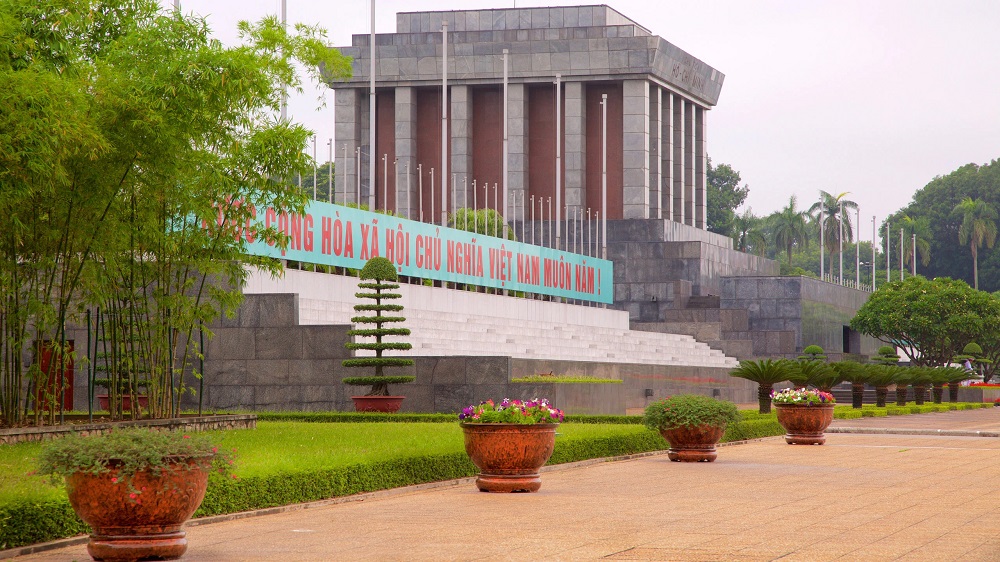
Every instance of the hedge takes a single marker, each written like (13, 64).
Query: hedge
(35, 522)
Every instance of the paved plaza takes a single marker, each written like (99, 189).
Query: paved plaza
(862, 496)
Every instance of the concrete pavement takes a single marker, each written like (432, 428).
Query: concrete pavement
(859, 497)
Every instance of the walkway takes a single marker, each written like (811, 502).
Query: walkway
(859, 497)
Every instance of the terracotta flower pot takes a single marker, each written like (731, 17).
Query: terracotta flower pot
(693, 444)
(804, 424)
(384, 404)
(509, 455)
(141, 520)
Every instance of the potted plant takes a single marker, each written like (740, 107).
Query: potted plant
(382, 273)
(135, 488)
(509, 442)
(692, 424)
(804, 414)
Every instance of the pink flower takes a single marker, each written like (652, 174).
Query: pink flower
(114, 480)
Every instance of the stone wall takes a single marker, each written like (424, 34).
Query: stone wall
(263, 360)
(817, 312)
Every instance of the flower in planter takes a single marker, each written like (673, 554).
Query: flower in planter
(512, 411)
(802, 396)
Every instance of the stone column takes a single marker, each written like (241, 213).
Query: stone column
(689, 217)
(347, 134)
(460, 159)
(700, 170)
(635, 147)
(679, 154)
(667, 155)
(406, 149)
(655, 151)
(517, 133)
(575, 153)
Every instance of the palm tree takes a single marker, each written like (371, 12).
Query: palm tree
(922, 228)
(790, 228)
(978, 226)
(766, 373)
(750, 236)
(857, 375)
(830, 207)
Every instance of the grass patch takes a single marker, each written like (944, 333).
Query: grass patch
(566, 379)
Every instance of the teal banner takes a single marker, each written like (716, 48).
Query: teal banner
(328, 234)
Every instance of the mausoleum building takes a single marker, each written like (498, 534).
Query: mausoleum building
(658, 99)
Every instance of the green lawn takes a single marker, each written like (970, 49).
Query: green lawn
(293, 447)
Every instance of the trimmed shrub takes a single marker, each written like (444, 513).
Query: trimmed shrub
(753, 429)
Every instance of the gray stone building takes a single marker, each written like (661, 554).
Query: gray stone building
(658, 97)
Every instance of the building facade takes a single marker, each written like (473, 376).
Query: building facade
(657, 96)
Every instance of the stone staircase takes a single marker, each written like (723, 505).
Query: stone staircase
(724, 329)
(445, 333)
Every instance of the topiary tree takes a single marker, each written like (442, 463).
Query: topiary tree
(812, 353)
(383, 273)
(766, 373)
(886, 356)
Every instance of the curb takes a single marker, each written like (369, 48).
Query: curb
(897, 431)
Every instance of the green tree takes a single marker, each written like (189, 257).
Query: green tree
(750, 235)
(936, 202)
(929, 320)
(325, 172)
(724, 196)
(135, 148)
(829, 212)
(979, 226)
(382, 275)
(766, 373)
(921, 228)
(789, 228)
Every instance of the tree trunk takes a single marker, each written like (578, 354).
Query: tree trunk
(953, 392)
(919, 391)
(975, 266)
(857, 394)
(880, 394)
(901, 394)
(379, 389)
(764, 397)
(938, 392)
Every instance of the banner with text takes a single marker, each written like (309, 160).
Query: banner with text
(328, 234)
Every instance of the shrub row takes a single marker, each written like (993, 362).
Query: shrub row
(753, 429)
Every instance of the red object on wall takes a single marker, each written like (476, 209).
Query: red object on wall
(487, 145)
(48, 362)
(542, 147)
(615, 154)
(429, 152)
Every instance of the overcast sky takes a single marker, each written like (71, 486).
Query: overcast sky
(871, 97)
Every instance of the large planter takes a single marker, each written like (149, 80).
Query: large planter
(509, 455)
(803, 423)
(693, 444)
(104, 401)
(140, 520)
(384, 404)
